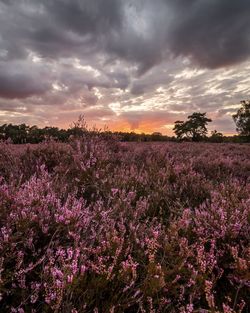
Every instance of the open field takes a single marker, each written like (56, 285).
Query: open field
(102, 226)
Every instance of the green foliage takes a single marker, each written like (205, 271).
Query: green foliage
(194, 128)
(242, 118)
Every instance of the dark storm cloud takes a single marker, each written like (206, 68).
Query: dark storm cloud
(19, 81)
(19, 87)
(75, 54)
(86, 16)
(212, 33)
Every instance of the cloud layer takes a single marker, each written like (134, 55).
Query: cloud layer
(135, 64)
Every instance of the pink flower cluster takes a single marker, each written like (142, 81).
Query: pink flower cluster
(102, 226)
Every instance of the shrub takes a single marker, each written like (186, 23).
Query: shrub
(102, 226)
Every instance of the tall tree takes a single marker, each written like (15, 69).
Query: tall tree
(195, 127)
(242, 118)
(180, 129)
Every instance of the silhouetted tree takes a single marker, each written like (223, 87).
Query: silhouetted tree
(194, 128)
(242, 118)
(180, 129)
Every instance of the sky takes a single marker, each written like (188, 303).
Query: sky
(131, 65)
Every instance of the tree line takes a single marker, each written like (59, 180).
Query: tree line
(21, 134)
(193, 129)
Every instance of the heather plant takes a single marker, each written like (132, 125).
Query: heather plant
(102, 226)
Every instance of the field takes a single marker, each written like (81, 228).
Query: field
(102, 226)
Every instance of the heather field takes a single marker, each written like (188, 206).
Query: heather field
(102, 226)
